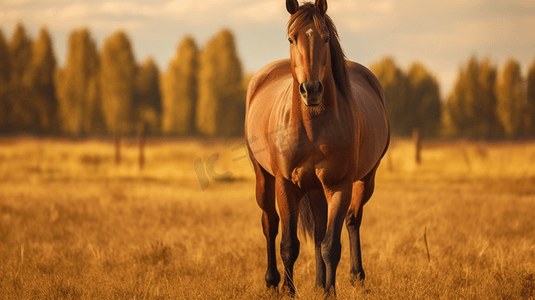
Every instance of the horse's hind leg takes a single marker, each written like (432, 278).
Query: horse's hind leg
(362, 191)
(265, 197)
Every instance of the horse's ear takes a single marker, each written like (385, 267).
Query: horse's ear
(321, 6)
(292, 6)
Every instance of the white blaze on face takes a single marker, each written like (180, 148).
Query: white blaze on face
(310, 34)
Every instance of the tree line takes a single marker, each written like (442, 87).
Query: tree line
(484, 102)
(107, 92)
(202, 92)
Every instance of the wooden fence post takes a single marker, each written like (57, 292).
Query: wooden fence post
(141, 145)
(417, 145)
(117, 149)
(389, 159)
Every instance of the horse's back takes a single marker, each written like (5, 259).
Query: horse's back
(357, 70)
(372, 116)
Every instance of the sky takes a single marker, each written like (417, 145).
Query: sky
(442, 35)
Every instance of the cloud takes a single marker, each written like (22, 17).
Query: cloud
(262, 11)
(525, 3)
(201, 9)
(9, 15)
(473, 34)
(14, 2)
(363, 16)
(125, 8)
(75, 11)
(130, 25)
(108, 15)
(31, 2)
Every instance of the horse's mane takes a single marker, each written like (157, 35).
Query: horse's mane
(308, 12)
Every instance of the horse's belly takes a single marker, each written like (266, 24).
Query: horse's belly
(260, 151)
(258, 144)
(257, 133)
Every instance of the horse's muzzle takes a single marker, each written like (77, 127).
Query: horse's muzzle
(311, 92)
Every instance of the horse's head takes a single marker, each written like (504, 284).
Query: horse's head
(309, 48)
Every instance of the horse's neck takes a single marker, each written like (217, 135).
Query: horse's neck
(313, 123)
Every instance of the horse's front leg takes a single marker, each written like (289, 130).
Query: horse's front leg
(288, 199)
(318, 205)
(338, 200)
(265, 197)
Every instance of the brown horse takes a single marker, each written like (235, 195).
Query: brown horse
(316, 128)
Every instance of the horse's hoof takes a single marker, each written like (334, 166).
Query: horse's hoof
(289, 291)
(272, 280)
(357, 278)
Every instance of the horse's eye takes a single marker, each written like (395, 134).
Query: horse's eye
(326, 39)
(290, 40)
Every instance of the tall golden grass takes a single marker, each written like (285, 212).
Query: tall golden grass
(74, 225)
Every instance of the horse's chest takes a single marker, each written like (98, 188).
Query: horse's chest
(309, 164)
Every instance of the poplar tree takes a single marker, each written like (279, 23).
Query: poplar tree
(471, 110)
(208, 112)
(220, 107)
(39, 78)
(530, 106)
(77, 86)
(396, 88)
(5, 66)
(179, 89)
(117, 82)
(147, 99)
(488, 123)
(471, 107)
(510, 106)
(233, 95)
(5, 76)
(459, 110)
(20, 49)
(425, 99)
(23, 113)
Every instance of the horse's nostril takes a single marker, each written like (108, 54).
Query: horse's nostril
(320, 88)
(302, 89)
(311, 88)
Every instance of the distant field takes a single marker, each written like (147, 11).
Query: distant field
(74, 225)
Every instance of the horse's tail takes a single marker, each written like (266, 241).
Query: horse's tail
(306, 217)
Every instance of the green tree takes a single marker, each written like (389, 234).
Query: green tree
(397, 90)
(77, 86)
(5, 76)
(425, 99)
(147, 105)
(179, 89)
(117, 82)
(220, 108)
(510, 106)
(530, 111)
(39, 78)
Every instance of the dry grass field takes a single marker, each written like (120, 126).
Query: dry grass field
(75, 226)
